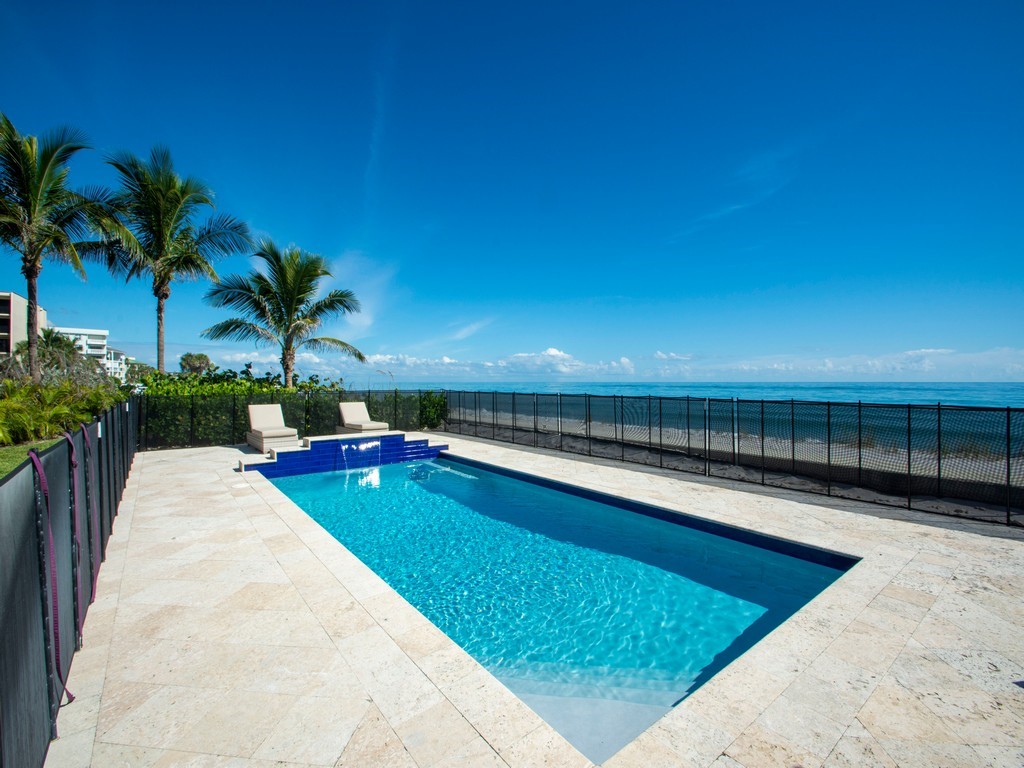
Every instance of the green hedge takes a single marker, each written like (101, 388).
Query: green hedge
(219, 418)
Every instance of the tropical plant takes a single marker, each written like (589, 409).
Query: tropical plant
(42, 218)
(160, 211)
(279, 306)
(196, 362)
(137, 371)
(59, 361)
(36, 412)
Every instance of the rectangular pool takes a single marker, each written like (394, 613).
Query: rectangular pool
(600, 613)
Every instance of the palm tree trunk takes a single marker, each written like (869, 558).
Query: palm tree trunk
(288, 364)
(31, 273)
(162, 291)
(160, 299)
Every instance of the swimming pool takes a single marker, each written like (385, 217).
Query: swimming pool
(601, 617)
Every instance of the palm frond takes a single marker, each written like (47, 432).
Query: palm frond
(329, 344)
(237, 329)
(280, 296)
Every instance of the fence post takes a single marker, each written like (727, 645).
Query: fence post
(689, 450)
(938, 450)
(558, 410)
(762, 442)
(494, 415)
(536, 437)
(622, 419)
(192, 422)
(1008, 447)
(590, 451)
(734, 437)
(707, 437)
(395, 422)
(909, 447)
(661, 432)
(828, 450)
(53, 703)
(650, 427)
(860, 447)
(792, 435)
(305, 417)
(513, 418)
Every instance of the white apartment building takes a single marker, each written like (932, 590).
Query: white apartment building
(14, 319)
(116, 364)
(92, 342)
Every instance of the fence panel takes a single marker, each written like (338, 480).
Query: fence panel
(549, 428)
(884, 440)
(810, 451)
(721, 427)
(573, 423)
(24, 698)
(974, 454)
(1015, 468)
(50, 555)
(604, 427)
(845, 445)
(322, 409)
(925, 460)
(911, 453)
(636, 428)
(504, 417)
(212, 420)
(524, 418)
(749, 442)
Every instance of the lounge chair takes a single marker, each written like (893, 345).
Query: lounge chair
(355, 418)
(268, 430)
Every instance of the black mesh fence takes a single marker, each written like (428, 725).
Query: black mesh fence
(188, 421)
(955, 460)
(58, 511)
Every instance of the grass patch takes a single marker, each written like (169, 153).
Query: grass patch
(12, 455)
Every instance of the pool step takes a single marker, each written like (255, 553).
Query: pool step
(332, 453)
(641, 686)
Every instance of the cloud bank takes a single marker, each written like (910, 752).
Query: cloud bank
(554, 364)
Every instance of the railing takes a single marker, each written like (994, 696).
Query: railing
(954, 460)
(56, 514)
(187, 421)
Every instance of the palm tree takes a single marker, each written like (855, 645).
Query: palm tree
(160, 211)
(41, 217)
(279, 305)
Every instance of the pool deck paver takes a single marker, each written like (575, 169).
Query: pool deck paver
(231, 630)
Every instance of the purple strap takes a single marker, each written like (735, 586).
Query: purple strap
(55, 624)
(76, 553)
(94, 521)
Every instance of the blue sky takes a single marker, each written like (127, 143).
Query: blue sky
(716, 191)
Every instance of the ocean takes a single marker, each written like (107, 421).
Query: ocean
(988, 394)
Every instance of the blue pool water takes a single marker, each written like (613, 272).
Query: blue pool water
(600, 618)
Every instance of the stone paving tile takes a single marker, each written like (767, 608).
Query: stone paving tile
(231, 630)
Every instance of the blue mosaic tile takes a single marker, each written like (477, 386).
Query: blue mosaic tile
(331, 455)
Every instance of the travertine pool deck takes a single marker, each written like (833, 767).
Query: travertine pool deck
(231, 630)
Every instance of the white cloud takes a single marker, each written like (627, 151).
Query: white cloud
(553, 364)
(255, 356)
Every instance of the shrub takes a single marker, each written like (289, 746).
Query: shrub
(31, 412)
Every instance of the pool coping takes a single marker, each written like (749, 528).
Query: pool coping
(841, 680)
